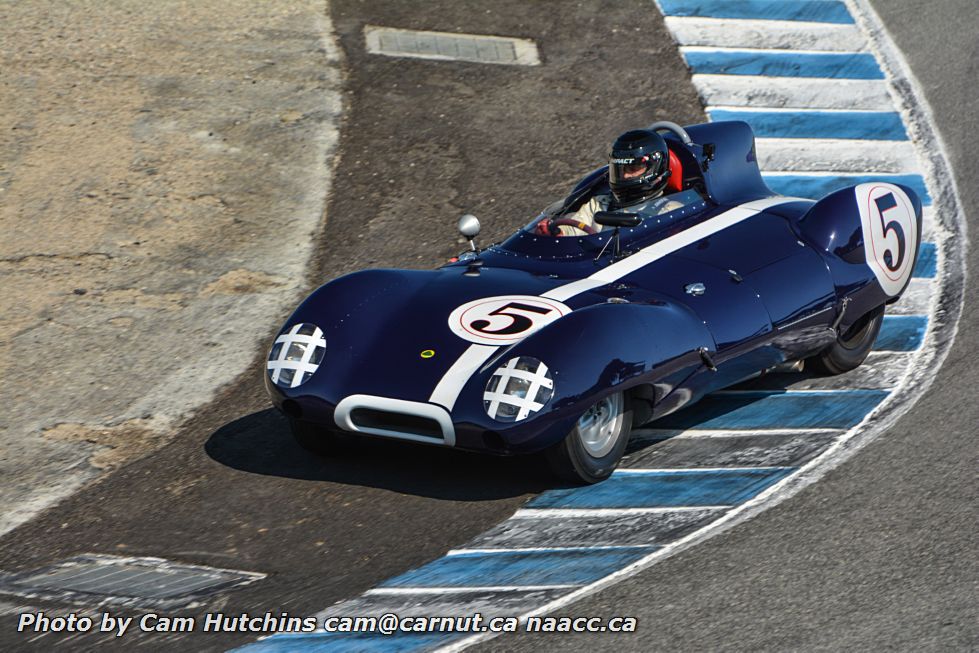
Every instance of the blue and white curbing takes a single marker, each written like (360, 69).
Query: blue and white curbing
(832, 102)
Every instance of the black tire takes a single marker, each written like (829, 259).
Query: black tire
(851, 348)
(318, 439)
(574, 461)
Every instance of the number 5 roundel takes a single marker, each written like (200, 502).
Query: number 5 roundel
(505, 319)
(890, 234)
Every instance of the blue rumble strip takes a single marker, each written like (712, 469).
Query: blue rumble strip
(521, 568)
(863, 125)
(901, 333)
(821, 11)
(927, 265)
(831, 65)
(746, 411)
(322, 642)
(655, 489)
(814, 186)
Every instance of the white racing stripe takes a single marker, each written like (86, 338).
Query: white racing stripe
(789, 34)
(664, 247)
(836, 155)
(449, 387)
(790, 92)
(451, 384)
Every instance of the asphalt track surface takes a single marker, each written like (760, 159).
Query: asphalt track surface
(423, 143)
(879, 554)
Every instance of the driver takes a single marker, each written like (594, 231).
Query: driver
(638, 169)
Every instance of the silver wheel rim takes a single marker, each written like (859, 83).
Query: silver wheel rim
(600, 426)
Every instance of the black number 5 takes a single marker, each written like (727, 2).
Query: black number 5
(885, 203)
(519, 324)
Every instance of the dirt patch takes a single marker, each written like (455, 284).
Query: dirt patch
(115, 444)
(135, 297)
(239, 282)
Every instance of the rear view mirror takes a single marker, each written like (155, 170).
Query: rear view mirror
(469, 226)
(616, 219)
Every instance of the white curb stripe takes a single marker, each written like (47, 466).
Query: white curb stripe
(817, 173)
(693, 31)
(929, 225)
(714, 49)
(792, 92)
(839, 155)
(779, 392)
(790, 111)
(546, 549)
(689, 434)
(562, 513)
(916, 300)
(630, 471)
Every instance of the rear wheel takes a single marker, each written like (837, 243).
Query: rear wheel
(851, 348)
(318, 439)
(593, 449)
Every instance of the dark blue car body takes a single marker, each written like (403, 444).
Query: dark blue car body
(733, 284)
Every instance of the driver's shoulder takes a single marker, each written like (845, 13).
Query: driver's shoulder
(663, 204)
(601, 200)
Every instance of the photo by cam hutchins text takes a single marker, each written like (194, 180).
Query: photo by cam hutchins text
(38, 622)
(388, 624)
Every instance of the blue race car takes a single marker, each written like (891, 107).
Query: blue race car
(564, 344)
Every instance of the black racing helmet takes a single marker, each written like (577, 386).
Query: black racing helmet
(638, 166)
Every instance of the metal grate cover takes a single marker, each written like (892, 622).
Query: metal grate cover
(447, 46)
(133, 582)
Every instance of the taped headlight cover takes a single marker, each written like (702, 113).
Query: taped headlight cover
(518, 389)
(296, 355)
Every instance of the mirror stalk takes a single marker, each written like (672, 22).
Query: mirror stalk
(615, 249)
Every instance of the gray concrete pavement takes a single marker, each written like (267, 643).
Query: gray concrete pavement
(163, 170)
(880, 554)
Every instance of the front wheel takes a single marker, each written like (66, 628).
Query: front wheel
(593, 449)
(851, 348)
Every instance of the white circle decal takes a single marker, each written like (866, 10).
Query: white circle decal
(890, 233)
(504, 320)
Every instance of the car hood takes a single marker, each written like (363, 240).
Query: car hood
(387, 331)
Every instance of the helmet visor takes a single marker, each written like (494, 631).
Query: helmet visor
(627, 169)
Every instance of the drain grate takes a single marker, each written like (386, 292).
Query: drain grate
(133, 582)
(447, 46)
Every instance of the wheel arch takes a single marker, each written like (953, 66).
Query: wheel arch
(641, 348)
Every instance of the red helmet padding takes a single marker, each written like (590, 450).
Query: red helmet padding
(675, 183)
